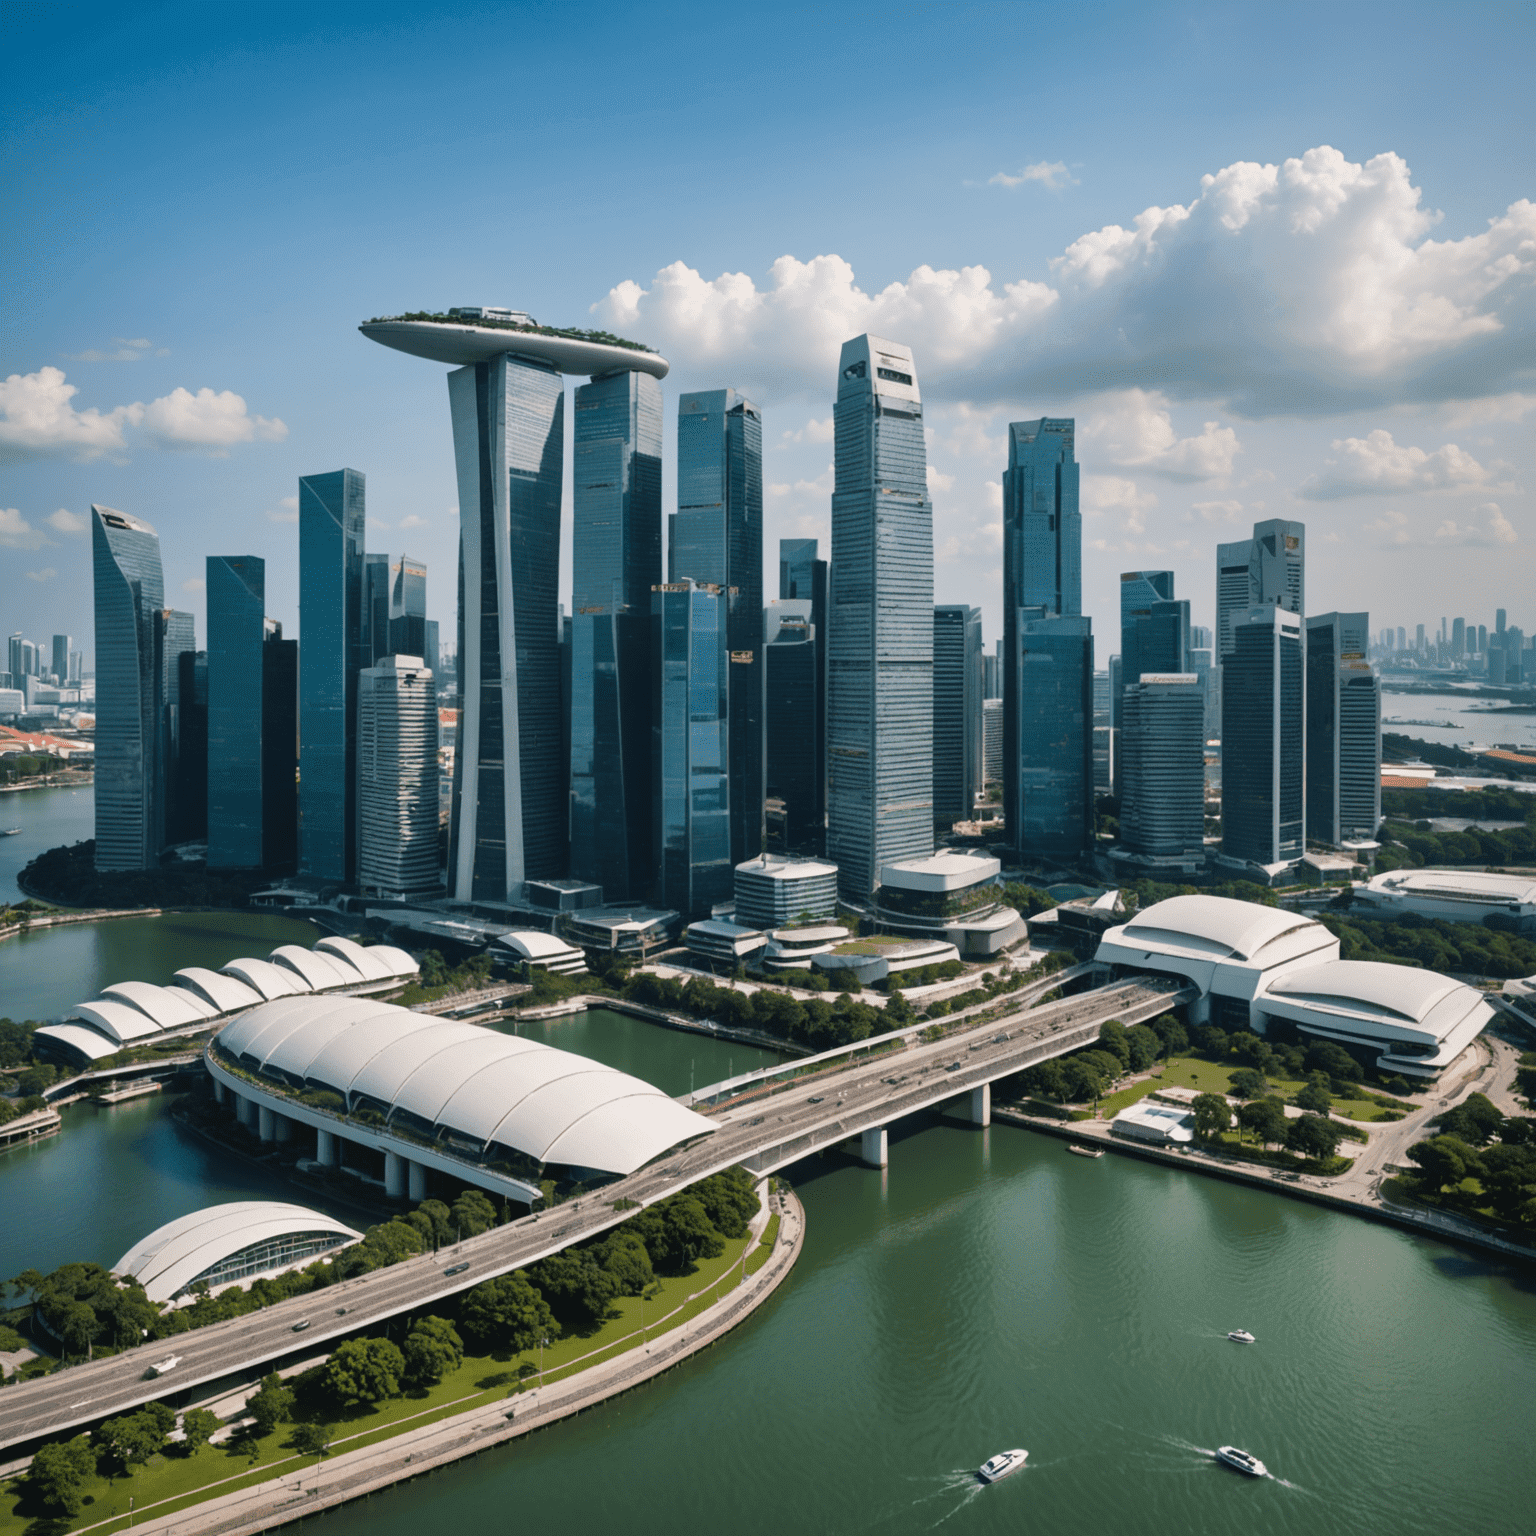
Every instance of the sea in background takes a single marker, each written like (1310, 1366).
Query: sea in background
(1456, 718)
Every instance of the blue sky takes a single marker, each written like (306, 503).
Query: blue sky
(204, 200)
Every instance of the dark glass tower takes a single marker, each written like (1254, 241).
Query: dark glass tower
(192, 756)
(957, 695)
(803, 577)
(509, 821)
(236, 591)
(407, 608)
(376, 596)
(1263, 739)
(1271, 567)
(880, 630)
(1050, 813)
(616, 560)
(175, 637)
(1343, 730)
(279, 752)
(716, 538)
(792, 672)
(1154, 631)
(1162, 757)
(331, 627)
(130, 591)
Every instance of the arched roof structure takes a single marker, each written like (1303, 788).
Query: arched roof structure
(320, 971)
(1214, 925)
(169, 1007)
(117, 1021)
(269, 980)
(464, 1081)
(365, 961)
(226, 993)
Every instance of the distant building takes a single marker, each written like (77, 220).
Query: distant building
(957, 724)
(408, 609)
(375, 634)
(792, 657)
(772, 892)
(397, 779)
(1268, 568)
(803, 577)
(1343, 731)
(236, 596)
(1162, 773)
(1154, 631)
(62, 644)
(175, 636)
(1042, 526)
(279, 752)
(130, 590)
(992, 740)
(191, 777)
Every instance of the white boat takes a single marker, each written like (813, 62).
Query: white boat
(1085, 1151)
(1242, 1336)
(1001, 1465)
(1241, 1461)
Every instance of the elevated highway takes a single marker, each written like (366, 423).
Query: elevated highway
(860, 1100)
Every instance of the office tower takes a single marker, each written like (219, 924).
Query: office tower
(374, 643)
(1201, 638)
(1418, 643)
(792, 681)
(129, 591)
(880, 645)
(1515, 658)
(1042, 527)
(1402, 638)
(429, 652)
(1263, 738)
(1268, 568)
(76, 668)
(331, 630)
(236, 595)
(803, 576)
(192, 747)
(1482, 639)
(1101, 709)
(991, 676)
(175, 637)
(24, 658)
(279, 751)
(1343, 731)
(992, 740)
(1162, 767)
(957, 694)
(1106, 759)
(716, 538)
(616, 560)
(1458, 638)
(1202, 663)
(691, 742)
(1497, 663)
(1498, 620)
(1048, 794)
(1154, 629)
(61, 649)
(407, 608)
(397, 788)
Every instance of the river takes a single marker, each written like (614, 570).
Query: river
(1456, 718)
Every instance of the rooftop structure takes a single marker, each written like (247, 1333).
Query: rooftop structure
(625, 930)
(540, 951)
(793, 949)
(463, 342)
(870, 960)
(771, 892)
(716, 939)
(226, 1244)
(1156, 1123)
(1457, 895)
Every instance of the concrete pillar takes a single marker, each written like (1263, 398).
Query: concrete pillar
(218, 1091)
(418, 1182)
(326, 1150)
(244, 1109)
(394, 1176)
(981, 1105)
(1200, 1010)
(266, 1126)
(873, 1149)
(283, 1127)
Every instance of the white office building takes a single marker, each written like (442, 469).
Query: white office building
(397, 780)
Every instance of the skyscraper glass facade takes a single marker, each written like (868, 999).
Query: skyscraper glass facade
(792, 655)
(376, 595)
(880, 620)
(1051, 815)
(236, 593)
(1154, 629)
(332, 513)
(279, 752)
(175, 635)
(1343, 730)
(1268, 568)
(509, 819)
(957, 729)
(1162, 766)
(129, 591)
(803, 577)
(1263, 739)
(716, 537)
(616, 560)
(408, 607)
(690, 772)
(397, 779)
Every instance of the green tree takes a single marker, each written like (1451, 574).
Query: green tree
(508, 1313)
(1082, 1081)
(1312, 1136)
(623, 1254)
(311, 1439)
(132, 1438)
(1341, 1067)
(1112, 1037)
(1315, 1096)
(197, 1426)
(579, 1290)
(1476, 1120)
(1172, 1034)
(270, 1405)
(1145, 1047)
(363, 1371)
(473, 1213)
(729, 1200)
(59, 1471)
(1248, 1083)
(1265, 1118)
(1213, 1116)
(431, 1350)
(1444, 1159)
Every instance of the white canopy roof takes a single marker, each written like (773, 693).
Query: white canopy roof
(117, 1021)
(320, 970)
(364, 960)
(488, 1087)
(78, 1037)
(1216, 925)
(226, 993)
(530, 944)
(268, 979)
(173, 1256)
(169, 1007)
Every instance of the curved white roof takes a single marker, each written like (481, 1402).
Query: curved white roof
(88, 1042)
(399, 963)
(319, 970)
(268, 979)
(117, 1021)
(1404, 991)
(226, 993)
(1458, 884)
(533, 945)
(553, 1105)
(1217, 925)
(365, 961)
(464, 342)
(173, 1256)
(169, 1007)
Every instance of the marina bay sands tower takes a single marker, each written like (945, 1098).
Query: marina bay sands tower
(507, 398)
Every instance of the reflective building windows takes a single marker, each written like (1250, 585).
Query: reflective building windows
(236, 591)
(1263, 737)
(1051, 814)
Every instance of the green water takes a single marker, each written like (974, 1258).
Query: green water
(47, 818)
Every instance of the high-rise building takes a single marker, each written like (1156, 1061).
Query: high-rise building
(1482, 639)
(796, 810)
(992, 739)
(616, 560)
(957, 695)
(1263, 739)
(691, 740)
(1498, 620)
(1201, 638)
(1458, 639)
(236, 596)
(1162, 768)
(880, 644)
(397, 790)
(1402, 638)
(332, 513)
(804, 577)
(1343, 730)
(991, 676)
(192, 745)
(175, 636)
(1042, 527)
(716, 538)
(62, 645)
(1268, 568)
(407, 607)
(76, 668)
(130, 590)
(374, 644)
(430, 652)
(279, 751)
(1202, 663)
(509, 809)
(1154, 629)
(1048, 793)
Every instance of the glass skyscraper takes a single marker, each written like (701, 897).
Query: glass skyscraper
(957, 694)
(1049, 804)
(716, 538)
(1263, 739)
(616, 560)
(279, 752)
(691, 739)
(880, 630)
(1162, 767)
(175, 636)
(236, 594)
(1343, 730)
(1268, 568)
(376, 597)
(397, 779)
(129, 592)
(803, 577)
(331, 628)
(791, 657)
(1154, 630)
(408, 608)
(509, 822)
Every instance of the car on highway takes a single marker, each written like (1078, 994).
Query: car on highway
(163, 1366)
(815, 1098)
(457, 1269)
(301, 1325)
(954, 1066)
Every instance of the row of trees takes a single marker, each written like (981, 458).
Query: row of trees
(1472, 948)
(69, 876)
(1480, 1160)
(1088, 1074)
(1310, 1136)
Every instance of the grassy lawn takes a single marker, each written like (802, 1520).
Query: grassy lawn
(1210, 1077)
(167, 1484)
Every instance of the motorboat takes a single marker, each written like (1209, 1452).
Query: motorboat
(1001, 1465)
(1085, 1151)
(10, 831)
(1242, 1336)
(1241, 1461)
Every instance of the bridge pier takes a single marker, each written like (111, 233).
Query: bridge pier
(873, 1148)
(1200, 1011)
(418, 1182)
(326, 1150)
(266, 1123)
(245, 1109)
(282, 1126)
(218, 1092)
(981, 1105)
(394, 1176)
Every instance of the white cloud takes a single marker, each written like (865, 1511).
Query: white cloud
(1304, 288)
(1216, 511)
(412, 521)
(938, 482)
(1495, 531)
(1117, 498)
(820, 487)
(193, 584)
(812, 432)
(1378, 465)
(46, 574)
(378, 525)
(208, 420)
(129, 350)
(286, 511)
(1133, 428)
(65, 521)
(1049, 173)
(17, 533)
